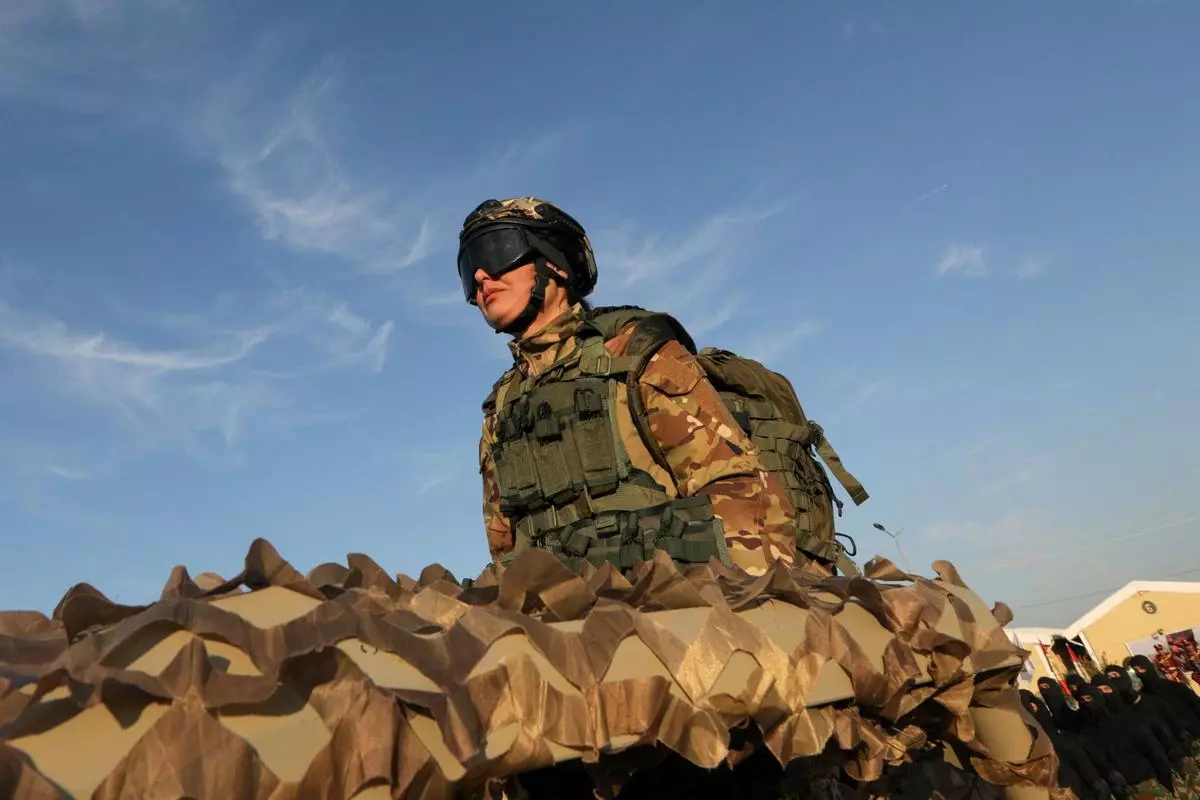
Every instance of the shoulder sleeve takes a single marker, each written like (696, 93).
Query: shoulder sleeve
(708, 453)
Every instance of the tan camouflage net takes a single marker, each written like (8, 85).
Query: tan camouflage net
(347, 683)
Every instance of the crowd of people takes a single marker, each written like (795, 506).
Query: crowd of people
(1128, 733)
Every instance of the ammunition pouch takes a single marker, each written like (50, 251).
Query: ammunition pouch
(557, 443)
(685, 529)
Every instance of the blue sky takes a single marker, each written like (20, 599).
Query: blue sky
(228, 305)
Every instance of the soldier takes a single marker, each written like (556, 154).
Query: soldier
(603, 447)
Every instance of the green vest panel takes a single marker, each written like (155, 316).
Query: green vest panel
(566, 481)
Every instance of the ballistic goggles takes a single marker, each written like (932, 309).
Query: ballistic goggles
(496, 250)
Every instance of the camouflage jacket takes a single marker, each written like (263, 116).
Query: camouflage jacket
(707, 450)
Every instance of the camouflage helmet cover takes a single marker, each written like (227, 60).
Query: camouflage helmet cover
(546, 221)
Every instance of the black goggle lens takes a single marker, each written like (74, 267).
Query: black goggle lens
(495, 252)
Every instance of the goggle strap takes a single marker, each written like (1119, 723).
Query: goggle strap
(555, 256)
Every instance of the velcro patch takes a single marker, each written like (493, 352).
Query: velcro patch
(672, 376)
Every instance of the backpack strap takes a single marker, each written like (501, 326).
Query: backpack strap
(651, 332)
(832, 460)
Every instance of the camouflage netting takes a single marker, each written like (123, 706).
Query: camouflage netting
(347, 683)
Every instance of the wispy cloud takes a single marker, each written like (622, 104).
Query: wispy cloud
(969, 261)
(446, 299)
(856, 27)
(865, 392)
(1022, 472)
(433, 468)
(1093, 543)
(996, 464)
(66, 474)
(279, 141)
(983, 448)
(964, 260)
(705, 301)
(633, 258)
(280, 159)
(692, 272)
(336, 336)
(226, 376)
(923, 197)
(67, 53)
(1011, 532)
(771, 348)
(281, 145)
(1031, 267)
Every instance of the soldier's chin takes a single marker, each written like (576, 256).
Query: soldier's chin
(500, 314)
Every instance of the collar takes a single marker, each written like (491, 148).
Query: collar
(534, 353)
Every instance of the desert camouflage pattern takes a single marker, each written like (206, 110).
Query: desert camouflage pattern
(350, 682)
(707, 450)
(510, 208)
(524, 208)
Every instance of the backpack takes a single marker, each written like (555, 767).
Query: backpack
(765, 405)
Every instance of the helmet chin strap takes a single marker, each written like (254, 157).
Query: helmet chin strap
(542, 277)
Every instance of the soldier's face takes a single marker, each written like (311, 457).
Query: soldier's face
(502, 299)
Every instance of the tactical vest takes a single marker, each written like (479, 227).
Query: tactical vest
(766, 407)
(565, 479)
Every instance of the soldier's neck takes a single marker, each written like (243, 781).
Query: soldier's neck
(548, 339)
(551, 312)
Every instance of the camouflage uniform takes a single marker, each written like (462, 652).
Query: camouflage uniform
(706, 450)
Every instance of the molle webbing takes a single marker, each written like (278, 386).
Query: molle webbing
(555, 441)
(566, 481)
(780, 442)
(686, 529)
(769, 397)
(558, 455)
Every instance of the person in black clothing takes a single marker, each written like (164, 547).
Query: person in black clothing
(1139, 754)
(1074, 684)
(1075, 770)
(1072, 726)
(1147, 712)
(1178, 703)
(1096, 730)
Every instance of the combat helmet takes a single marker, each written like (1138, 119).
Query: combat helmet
(501, 235)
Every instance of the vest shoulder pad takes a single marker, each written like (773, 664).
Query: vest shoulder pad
(653, 328)
(656, 329)
(611, 320)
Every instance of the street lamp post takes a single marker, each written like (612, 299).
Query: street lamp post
(896, 538)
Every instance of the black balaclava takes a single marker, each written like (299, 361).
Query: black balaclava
(1065, 717)
(1114, 704)
(1147, 670)
(1120, 680)
(1040, 712)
